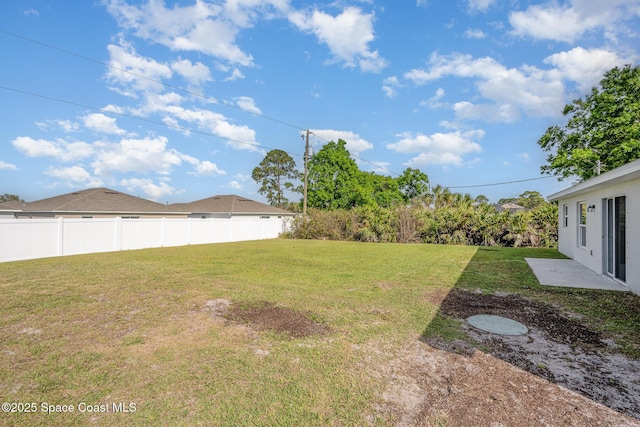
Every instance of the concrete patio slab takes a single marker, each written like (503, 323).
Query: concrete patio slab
(571, 274)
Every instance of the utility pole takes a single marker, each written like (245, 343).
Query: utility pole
(306, 172)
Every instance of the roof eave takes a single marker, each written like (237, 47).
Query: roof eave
(625, 173)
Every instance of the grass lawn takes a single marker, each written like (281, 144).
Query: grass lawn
(103, 331)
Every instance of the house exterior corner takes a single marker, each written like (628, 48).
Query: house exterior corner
(599, 224)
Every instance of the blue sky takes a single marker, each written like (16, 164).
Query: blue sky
(179, 100)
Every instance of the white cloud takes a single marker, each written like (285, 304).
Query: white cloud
(439, 148)
(434, 101)
(390, 86)
(196, 74)
(7, 166)
(100, 123)
(235, 185)
(247, 103)
(586, 67)
(133, 72)
(239, 137)
(510, 91)
(207, 168)
(151, 190)
(137, 155)
(347, 35)
(570, 21)
(480, 5)
(60, 149)
(355, 144)
(474, 34)
(113, 109)
(68, 125)
(74, 175)
(209, 28)
(236, 74)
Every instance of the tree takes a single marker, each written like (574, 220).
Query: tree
(481, 200)
(333, 178)
(413, 184)
(603, 129)
(274, 175)
(9, 197)
(531, 200)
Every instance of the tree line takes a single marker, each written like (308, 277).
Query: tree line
(602, 132)
(346, 203)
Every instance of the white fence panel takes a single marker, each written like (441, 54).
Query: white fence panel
(35, 238)
(83, 236)
(223, 229)
(141, 233)
(40, 238)
(202, 231)
(177, 232)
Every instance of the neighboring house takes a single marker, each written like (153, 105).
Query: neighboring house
(91, 203)
(107, 203)
(227, 206)
(8, 208)
(511, 207)
(599, 224)
(104, 220)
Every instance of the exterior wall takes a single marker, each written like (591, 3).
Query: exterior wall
(41, 238)
(592, 255)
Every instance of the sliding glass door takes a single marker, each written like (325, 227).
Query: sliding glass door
(615, 212)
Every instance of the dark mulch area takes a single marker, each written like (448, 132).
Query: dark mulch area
(558, 347)
(543, 317)
(268, 316)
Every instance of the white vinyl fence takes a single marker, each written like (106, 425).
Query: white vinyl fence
(22, 239)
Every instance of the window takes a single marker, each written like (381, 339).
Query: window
(582, 224)
(565, 215)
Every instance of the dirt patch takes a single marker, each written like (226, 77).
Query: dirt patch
(558, 349)
(428, 386)
(268, 316)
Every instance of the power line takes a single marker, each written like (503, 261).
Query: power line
(504, 183)
(362, 159)
(102, 110)
(209, 99)
(167, 85)
(106, 64)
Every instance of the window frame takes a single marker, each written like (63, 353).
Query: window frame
(582, 224)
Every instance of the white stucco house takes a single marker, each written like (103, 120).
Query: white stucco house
(599, 224)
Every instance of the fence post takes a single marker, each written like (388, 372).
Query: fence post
(117, 238)
(60, 236)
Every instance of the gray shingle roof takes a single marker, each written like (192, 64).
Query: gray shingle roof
(228, 204)
(95, 200)
(12, 205)
(106, 200)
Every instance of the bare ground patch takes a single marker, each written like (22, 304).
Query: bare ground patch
(560, 373)
(268, 316)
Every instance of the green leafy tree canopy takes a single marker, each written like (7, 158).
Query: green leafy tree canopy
(602, 131)
(336, 182)
(9, 197)
(277, 172)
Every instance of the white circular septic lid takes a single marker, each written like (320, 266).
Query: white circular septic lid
(497, 324)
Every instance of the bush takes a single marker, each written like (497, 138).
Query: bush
(460, 225)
